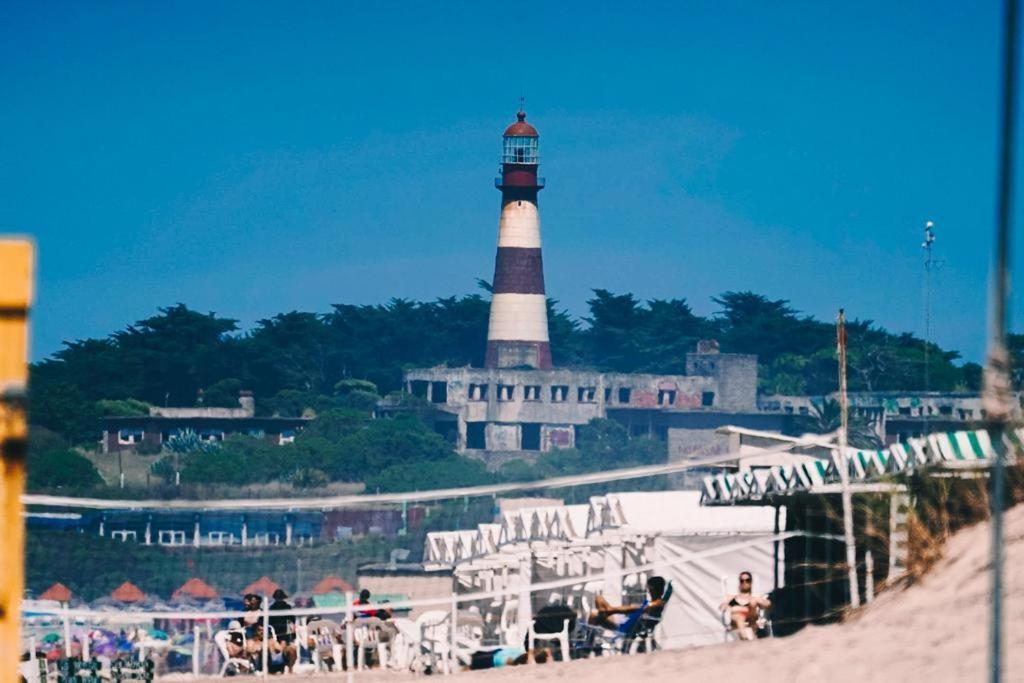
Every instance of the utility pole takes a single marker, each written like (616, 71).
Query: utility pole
(16, 266)
(996, 395)
(844, 467)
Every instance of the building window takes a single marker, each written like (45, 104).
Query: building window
(707, 399)
(531, 392)
(220, 538)
(802, 410)
(506, 392)
(945, 410)
(559, 393)
(439, 392)
(124, 535)
(477, 392)
(129, 437)
(530, 440)
(607, 394)
(287, 436)
(211, 435)
(476, 435)
(666, 397)
(418, 387)
(905, 411)
(586, 394)
(171, 537)
(624, 394)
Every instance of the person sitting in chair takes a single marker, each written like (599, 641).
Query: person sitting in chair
(744, 609)
(281, 656)
(615, 617)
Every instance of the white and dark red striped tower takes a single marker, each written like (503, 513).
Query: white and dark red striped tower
(517, 335)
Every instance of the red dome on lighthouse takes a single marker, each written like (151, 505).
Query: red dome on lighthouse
(521, 128)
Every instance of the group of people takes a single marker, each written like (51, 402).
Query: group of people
(745, 611)
(246, 637)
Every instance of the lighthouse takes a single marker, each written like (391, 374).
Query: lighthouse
(517, 334)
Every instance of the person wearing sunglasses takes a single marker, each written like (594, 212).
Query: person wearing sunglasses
(744, 609)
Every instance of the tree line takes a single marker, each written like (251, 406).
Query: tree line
(300, 360)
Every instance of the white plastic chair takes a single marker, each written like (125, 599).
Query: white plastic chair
(405, 646)
(435, 638)
(220, 638)
(561, 637)
(366, 636)
(509, 628)
(326, 634)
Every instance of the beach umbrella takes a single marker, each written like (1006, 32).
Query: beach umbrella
(51, 638)
(158, 634)
(58, 592)
(261, 586)
(331, 584)
(128, 592)
(195, 588)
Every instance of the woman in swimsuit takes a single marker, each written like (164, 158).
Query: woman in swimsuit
(744, 609)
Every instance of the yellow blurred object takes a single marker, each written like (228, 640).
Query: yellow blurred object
(16, 268)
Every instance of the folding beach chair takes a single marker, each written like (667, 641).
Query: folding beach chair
(636, 634)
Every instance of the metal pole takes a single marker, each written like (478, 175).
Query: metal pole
(844, 470)
(195, 651)
(16, 266)
(349, 625)
(266, 636)
(996, 397)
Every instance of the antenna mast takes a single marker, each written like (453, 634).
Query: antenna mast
(929, 263)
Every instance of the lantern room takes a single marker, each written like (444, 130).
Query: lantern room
(520, 144)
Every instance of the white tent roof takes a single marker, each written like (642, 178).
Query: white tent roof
(677, 512)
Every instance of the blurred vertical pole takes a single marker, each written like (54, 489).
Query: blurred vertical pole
(350, 618)
(996, 396)
(16, 265)
(844, 469)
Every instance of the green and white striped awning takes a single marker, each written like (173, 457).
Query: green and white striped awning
(950, 450)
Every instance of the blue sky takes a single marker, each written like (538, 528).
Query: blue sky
(254, 158)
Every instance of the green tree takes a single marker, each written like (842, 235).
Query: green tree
(61, 469)
(125, 407)
(825, 418)
(223, 393)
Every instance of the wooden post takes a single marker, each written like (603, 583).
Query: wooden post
(16, 267)
(844, 470)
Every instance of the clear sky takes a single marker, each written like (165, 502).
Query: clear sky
(255, 158)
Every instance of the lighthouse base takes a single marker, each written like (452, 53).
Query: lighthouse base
(518, 354)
